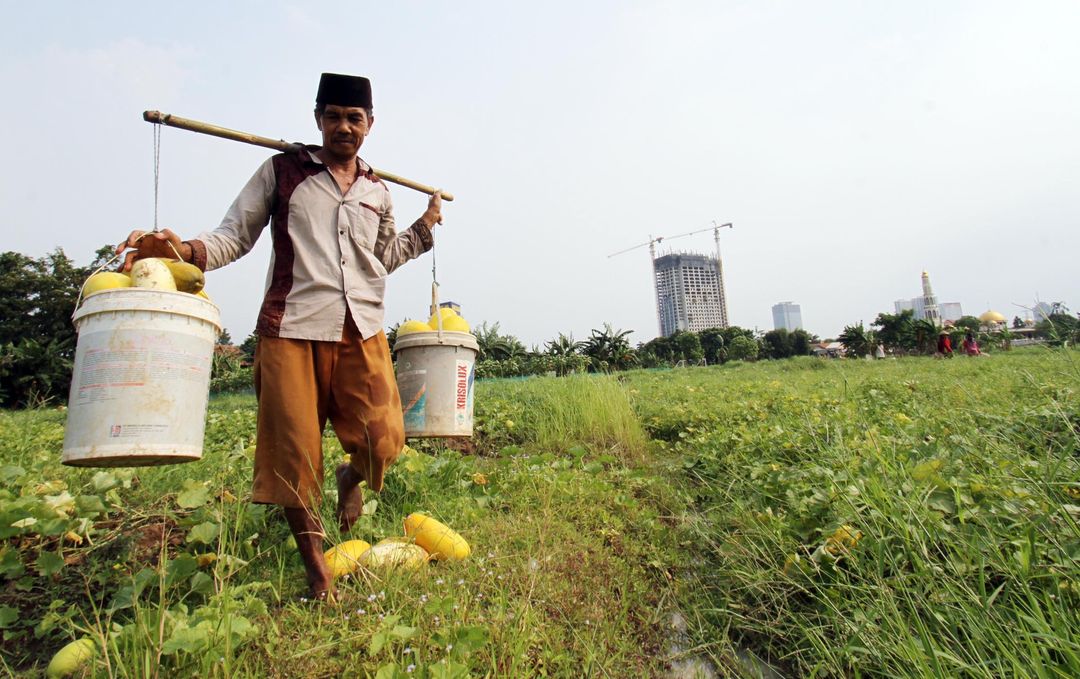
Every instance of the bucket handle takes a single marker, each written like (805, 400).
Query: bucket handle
(435, 309)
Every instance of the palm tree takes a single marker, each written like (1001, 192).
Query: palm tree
(926, 333)
(563, 345)
(857, 339)
(494, 346)
(609, 349)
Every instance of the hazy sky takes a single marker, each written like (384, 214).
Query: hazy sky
(852, 144)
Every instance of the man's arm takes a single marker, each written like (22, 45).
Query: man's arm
(394, 249)
(242, 225)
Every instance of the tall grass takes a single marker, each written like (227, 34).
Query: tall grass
(957, 482)
(557, 413)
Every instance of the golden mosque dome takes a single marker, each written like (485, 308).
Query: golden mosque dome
(991, 316)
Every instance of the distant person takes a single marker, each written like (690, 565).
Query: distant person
(970, 346)
(944, 346)
(880, 351)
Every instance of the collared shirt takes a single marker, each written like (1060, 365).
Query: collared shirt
(332, 252)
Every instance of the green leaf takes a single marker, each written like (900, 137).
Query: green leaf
(204, 533)
(194, 495)
(470, 638)
(188, 639)
(387, 671)
(104, 481)
(8, 616)
(9, 473)
(143, 579)
(201, 583)
(49, 563)
(181, 568)
(89, 506)
(378, 640)
(11, 565)
(403, 632)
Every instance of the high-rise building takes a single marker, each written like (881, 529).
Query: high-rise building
(1042, 311)
(787, 315)
(689, 293)
(951, 311)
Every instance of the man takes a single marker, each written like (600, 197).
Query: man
(322, 352)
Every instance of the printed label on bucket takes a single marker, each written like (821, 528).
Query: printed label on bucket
(463, 383)
(412, 385)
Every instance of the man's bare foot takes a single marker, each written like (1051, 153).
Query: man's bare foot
(308, 533)
(350, 498)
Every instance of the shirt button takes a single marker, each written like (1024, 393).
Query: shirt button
(343, 262)
(341, 232)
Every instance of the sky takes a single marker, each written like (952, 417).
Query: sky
(851, 144)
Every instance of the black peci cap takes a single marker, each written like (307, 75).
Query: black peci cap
(344, 90)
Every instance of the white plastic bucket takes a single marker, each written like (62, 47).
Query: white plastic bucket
(435, 377)
(141, 380)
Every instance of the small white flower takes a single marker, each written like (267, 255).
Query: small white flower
(423, 598)
(439, 581)
(435, 620)
(461, 582)
(372, 597)
(408, 650)
(359, 611)
(303, 599)
(221, 659)
(491, 555)
(381, 616)
(410, 669)
(449, 647)
(382, 595)
(500, 576)
(455, 607)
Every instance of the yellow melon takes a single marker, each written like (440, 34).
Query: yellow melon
(409, 327)
(345, 558)
(105, 280)
(152, 273)
(437, 538)
(455, 324)
(445, 312)
(71, 658)
(395, 553)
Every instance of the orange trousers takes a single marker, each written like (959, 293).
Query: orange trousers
(301, 383)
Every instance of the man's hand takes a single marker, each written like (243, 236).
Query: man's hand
(153, 244)
(433, 214)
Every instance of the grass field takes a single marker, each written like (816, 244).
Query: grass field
(792, 518)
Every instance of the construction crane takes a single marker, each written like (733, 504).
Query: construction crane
(651, 243)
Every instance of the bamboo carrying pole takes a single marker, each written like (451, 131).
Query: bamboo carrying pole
(276, 144)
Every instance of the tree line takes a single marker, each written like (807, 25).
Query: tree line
(37, 338)
(902, 333)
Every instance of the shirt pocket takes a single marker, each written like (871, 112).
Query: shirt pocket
(364, 226)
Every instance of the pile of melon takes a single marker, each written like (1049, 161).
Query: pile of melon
(425, 539)
(451, 322)
(154, 273)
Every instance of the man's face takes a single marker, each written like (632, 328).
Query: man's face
(343, 129)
